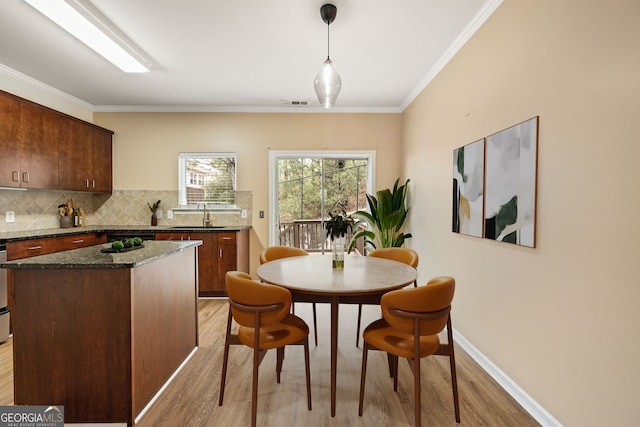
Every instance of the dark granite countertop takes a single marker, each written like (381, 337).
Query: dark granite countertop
(14, 236)
(92, 257)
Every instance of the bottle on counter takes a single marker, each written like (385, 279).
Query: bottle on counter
(74, 217)
(81, 217)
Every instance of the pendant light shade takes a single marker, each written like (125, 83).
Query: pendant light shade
(328, 82)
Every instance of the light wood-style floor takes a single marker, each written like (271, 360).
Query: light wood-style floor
(192, 398)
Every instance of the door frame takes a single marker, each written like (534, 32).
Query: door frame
(275, 155)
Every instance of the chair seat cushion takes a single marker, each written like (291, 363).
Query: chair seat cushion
(383, 337)
(290, 330)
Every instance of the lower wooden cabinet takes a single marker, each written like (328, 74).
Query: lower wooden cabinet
(48, 245)
(220, 252)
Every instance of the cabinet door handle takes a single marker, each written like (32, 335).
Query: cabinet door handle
(14, 176)
(226, 238)
(93, 183)
(25, 176)
(86, 182)
(220, 252)
(75, 242)
(34, 248)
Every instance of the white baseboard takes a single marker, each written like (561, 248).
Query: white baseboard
(527, 402)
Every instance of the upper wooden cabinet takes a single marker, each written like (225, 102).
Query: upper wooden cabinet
(85, 158)
(43, 148)
(28, 145)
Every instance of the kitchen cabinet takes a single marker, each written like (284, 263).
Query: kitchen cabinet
(100, 335)
(28, 145)
(207, 265)
(48, 245)
(220, 252)
(44, 148)
(85, 158)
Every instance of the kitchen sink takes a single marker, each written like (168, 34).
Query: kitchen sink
(192, 227)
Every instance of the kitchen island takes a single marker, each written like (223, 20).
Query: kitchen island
(101, 333)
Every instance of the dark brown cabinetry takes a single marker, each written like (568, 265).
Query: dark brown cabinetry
(85, 158)
(48, 245)
(28, 145)
(43, 148)
(220, 252)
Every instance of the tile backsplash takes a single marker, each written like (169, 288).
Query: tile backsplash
(38, 209)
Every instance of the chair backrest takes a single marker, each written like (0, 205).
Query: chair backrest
(404, 255)
(242, 289)
(434, 298)
(276, 252)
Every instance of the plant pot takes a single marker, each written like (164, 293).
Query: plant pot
(154, 219)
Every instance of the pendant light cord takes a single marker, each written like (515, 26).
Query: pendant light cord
(328, 44)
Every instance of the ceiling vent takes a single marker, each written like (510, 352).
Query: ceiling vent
(295, 103)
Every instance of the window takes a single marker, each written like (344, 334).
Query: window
(305, 185)
(207, 178)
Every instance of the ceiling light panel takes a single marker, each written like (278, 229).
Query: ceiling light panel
(95, 31)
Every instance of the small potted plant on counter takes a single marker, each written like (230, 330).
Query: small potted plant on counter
(154, 209)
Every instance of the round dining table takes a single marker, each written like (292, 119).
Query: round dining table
(363, 280)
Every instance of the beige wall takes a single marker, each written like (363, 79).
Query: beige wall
(146, 147)
(562, 319)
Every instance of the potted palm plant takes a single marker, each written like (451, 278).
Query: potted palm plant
(382, 225)
(337, 227)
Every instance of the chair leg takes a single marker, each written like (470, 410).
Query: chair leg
(395, 373)
(416, 371)
(254, 388)
(390, 363)
(454, 377)
(307, 371)
(416, 381)
(315, 324)
(225, 359)
(454, 386)
(358, 325)
(279, 359)
(256, 364)
(363, 376)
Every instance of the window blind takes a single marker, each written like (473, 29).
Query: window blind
(207, 178)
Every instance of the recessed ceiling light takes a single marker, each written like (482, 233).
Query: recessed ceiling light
(87, 25)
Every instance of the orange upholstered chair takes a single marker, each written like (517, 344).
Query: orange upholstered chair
(403, 255)
(412, 319)
(276, 252)
(262, 313)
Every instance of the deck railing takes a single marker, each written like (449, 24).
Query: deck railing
(310, 236)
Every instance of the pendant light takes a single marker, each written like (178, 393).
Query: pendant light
(328, 82)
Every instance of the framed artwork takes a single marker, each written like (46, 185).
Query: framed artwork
(510, 184)
(468, 189)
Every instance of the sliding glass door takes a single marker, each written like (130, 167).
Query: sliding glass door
(305, 186)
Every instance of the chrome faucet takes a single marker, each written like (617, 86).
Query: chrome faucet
(205, 215)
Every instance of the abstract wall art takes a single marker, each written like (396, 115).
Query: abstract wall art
(468, 189)
(510, 184)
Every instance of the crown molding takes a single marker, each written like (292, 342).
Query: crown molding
(477, 21)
